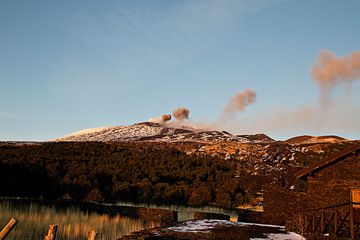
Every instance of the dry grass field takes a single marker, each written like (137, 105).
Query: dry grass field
(73, 223)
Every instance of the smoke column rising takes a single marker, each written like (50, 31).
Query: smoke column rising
(166, 117)
(235, 104)
(162, 119)
(240, 101)
(327, 116)
(328, 70)
(181, 114)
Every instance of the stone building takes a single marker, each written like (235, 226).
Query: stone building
(323, 184)
(329, 182)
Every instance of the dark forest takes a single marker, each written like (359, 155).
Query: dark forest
(111, 172)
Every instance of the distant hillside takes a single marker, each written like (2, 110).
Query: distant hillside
(305, 139)
(257, 137)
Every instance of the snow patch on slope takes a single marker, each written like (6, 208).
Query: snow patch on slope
(86, 131)
(281, 236)
(151, 132)
(120, 133)
(205, 225)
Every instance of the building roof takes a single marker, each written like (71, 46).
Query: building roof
(327, 162)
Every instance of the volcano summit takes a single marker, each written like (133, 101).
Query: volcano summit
(156, 132)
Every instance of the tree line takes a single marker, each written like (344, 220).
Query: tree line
(111, 172)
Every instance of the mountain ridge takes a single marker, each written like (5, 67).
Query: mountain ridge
(175, 132)
(148, 131)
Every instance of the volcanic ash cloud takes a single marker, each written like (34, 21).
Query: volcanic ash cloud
(181, 114)
(227, 119)
(329, 70)
(326, 116)
(240, 101)
(162, 119)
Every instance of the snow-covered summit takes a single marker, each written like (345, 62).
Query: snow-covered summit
(148, 131)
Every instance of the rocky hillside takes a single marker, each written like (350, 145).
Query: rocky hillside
(276, 159)
(255, 155)
(225, 173)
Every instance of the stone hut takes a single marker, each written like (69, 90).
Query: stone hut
(323, 184)
(329, 182)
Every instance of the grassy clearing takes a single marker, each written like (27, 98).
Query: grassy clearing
(73, 223)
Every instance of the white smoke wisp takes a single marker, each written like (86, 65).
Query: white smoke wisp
(162, 119)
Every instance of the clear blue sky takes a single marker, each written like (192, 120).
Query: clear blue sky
(68, 65)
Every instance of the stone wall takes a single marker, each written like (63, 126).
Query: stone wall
(331, 185)
(159, 215)
(280, 204)
(326, 187)
(251, 216)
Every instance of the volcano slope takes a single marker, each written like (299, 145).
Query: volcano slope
(153, 163)
(253, 155)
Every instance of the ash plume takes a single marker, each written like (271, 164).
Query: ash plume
(227, 119)
(307, 119)
(329, 70)
(325, 116)
(166, 117)
(162, 119)
(181, 114)
(240, 101)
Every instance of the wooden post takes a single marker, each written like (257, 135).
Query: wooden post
(352, 229)
(92, 235)
(51, 233)
(11, 224)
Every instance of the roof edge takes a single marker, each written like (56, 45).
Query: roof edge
(319, 165)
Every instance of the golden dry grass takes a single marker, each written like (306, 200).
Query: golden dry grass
(73, 223)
